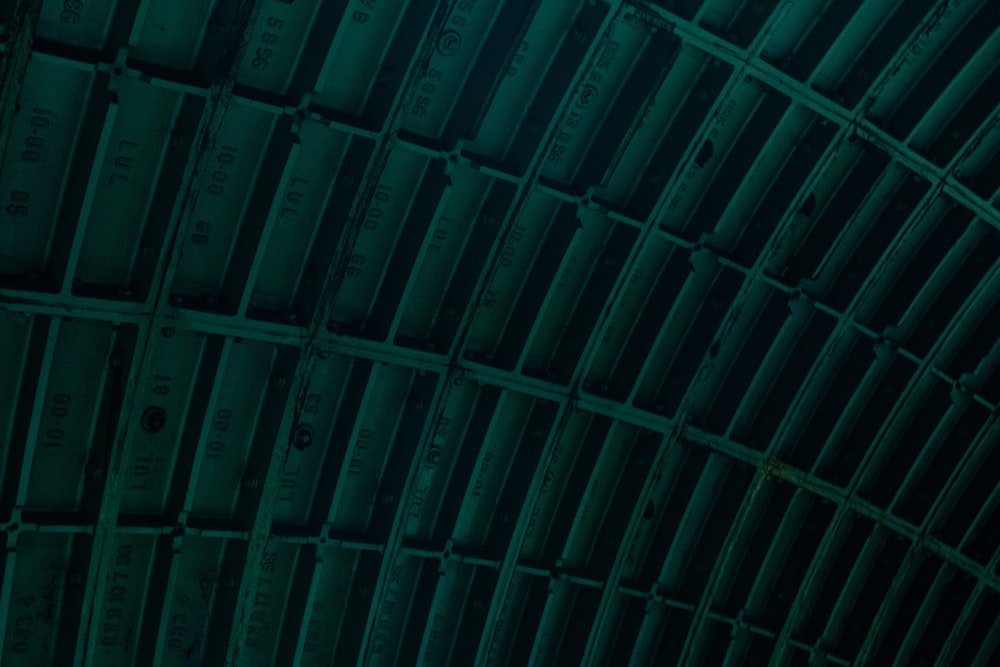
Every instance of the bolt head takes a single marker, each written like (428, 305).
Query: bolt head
(434, 455)
(302, 436)
(153, 419)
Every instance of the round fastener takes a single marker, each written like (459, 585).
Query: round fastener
(449, 43)
(302, 436)
(434, 455)
(153, 419)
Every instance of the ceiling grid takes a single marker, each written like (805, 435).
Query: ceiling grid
(496, 332)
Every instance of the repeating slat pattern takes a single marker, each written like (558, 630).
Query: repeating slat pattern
(487, 332)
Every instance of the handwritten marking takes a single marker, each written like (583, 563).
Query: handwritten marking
(221, 426)
(123, 162)
(263, 54)
(383, 625)
(261, 600)
(117, 595)
(484, 468)
(313, 628)
(589, 92)
(360, 447)
(55, 436)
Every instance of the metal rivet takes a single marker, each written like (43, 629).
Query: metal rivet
(302, 436)
(434, 455)
(153, 419)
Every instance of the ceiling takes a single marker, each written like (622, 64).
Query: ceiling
(482, 333)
